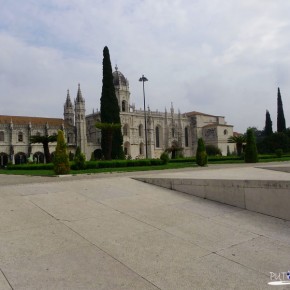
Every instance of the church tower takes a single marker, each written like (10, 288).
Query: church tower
(122, 90)
(80, 121)
(68, 112)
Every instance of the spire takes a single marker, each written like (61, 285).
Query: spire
(68, 102)
(79, 95)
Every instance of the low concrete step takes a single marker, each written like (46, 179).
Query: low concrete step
(270, 197)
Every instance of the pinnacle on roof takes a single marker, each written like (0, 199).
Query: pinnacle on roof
(79, 95)
(68, 102)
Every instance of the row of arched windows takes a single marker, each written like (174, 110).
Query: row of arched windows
(19, 136)
(126, 131)
(127, 148)
(158, 134)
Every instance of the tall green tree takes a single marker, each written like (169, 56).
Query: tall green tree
(251, 153)
(268, 130)
(201, 155)
(44, 140)
(281, 124)
(60, 160)
(110, 113)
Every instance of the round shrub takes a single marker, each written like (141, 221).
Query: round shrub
(164, 157)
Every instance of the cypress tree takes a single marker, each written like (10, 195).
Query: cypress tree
(60, 160)
(281, 124)
(110, 112)
(251, 153)
(268, 125)
(201, 156)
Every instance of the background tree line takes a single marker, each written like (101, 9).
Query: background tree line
(269, 141)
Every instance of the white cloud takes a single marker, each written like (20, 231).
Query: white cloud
(220, 57)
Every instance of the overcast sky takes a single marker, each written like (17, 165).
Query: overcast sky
(221, 57)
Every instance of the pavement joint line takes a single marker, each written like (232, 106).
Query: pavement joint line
(6, 279)
(44, 210)
(160, 229)
(242, 265)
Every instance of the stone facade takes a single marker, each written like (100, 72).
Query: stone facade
(174, 130)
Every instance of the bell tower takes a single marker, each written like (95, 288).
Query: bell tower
(80, 121)
(68, 112)
(122, 90)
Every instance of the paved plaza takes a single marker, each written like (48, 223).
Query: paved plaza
(109, 231)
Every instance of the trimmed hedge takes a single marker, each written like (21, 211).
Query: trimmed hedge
(92, 164)
(48, 166)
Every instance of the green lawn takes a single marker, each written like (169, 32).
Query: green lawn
(100, 170)
(174, 164)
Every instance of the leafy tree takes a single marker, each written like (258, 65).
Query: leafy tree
(45, 140)
(239, 140)
(60, 160)
(201, 156)
(112, 139)
(268, 125)
(251, 153)
(79, 159)
(281, 124)
(277, 140)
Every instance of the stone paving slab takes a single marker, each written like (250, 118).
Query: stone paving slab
(212, 272)
(260, 254)
(81, 268)
(113, 232)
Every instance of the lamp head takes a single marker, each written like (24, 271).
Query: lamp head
(143, 79)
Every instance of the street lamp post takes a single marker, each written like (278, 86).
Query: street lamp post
(143, 79)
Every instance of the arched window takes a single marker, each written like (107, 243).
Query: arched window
(157, 137)
(140, 128)
(126, 130)
(70, 138)
(20, 158)
(173, 132)
(1, 136)
(38, 157)
(186, 136)
(127, 148)
(20, 137)
(3, 159)
(123, 106)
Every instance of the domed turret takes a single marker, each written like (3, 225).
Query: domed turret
(119, 79)
(122, 90)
